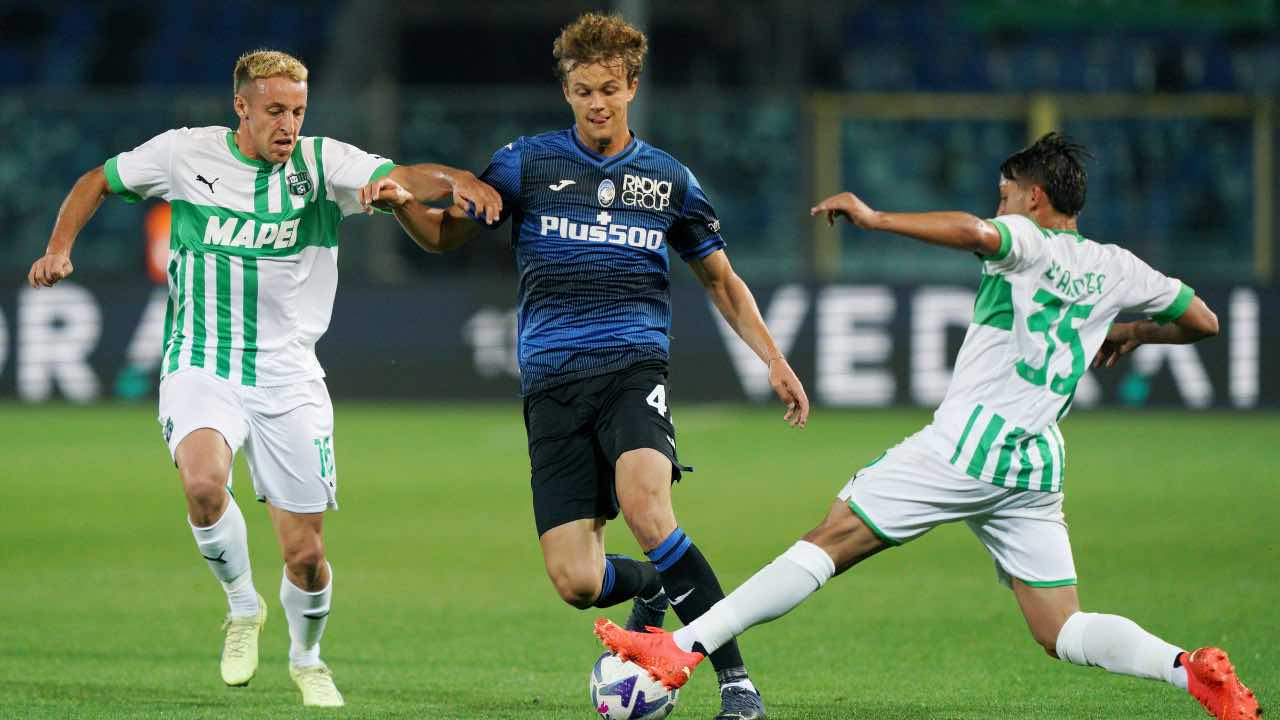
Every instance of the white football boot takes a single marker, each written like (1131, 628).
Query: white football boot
(316, 684)
(240, 649)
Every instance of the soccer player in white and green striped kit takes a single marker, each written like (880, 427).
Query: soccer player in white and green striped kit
(993, 456)
(252, 275)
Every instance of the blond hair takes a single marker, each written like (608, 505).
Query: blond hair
(258, 64)
(604, 39)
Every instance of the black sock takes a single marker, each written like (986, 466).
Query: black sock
(625, 578)
(692, 587)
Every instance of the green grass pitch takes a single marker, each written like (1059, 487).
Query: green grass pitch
(442, 610)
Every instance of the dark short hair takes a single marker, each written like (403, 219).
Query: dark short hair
(1055, 163)
(595, 38)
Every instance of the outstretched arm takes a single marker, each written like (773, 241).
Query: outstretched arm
(433, 229)
(958, 230)
(735, 302)
(428, 182)
(80, 205)
(437, 230)
(1196, 323)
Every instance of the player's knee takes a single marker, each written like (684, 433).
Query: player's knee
(576, 587)
(305, 560)
(206, 491)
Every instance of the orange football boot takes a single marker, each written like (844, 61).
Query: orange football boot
(655, 651)
(1212, 680)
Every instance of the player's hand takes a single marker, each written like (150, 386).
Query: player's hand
(848, 206)
(1120, 341)
(790, 392)
(384, 194)
(472, 196)
(49, 269)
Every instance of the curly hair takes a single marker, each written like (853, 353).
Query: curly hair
(257, 64)
(1056, 163)
(595, 38)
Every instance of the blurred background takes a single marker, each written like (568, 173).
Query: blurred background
(772, 104)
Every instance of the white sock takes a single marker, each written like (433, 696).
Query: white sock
(1179, 678)
(225, 547)
(307, 613)
(771, 593)
(1118, 645)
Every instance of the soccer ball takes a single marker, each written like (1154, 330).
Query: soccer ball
(624, 691)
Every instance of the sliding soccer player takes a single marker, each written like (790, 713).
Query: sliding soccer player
(993, 456)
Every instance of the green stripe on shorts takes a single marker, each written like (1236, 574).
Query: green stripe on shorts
(1048, 583)
(867, 521)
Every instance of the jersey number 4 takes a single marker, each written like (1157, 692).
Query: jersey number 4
(1052, 323)
(658, 399)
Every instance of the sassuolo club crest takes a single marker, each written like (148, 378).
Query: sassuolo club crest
(299, 183)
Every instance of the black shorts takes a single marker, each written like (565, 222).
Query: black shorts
(578, 430)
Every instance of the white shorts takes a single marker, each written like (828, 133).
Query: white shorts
(286, 433)
(910, 490)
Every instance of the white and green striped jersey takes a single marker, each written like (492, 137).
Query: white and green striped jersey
(253, 247)
(1046, 302)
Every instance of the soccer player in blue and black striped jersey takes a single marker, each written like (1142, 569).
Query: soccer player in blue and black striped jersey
(597, 216)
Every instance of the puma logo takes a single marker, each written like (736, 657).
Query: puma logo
(207, 182)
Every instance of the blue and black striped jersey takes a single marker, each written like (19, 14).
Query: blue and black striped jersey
(591, 235)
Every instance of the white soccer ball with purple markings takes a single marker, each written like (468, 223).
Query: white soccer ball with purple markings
(624, 691)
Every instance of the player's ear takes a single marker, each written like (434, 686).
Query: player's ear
(1037, 198)
(241, 106)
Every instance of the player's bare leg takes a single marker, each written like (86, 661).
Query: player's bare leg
(841, 541)
(574, 556)
(844, 537)
(204, 464)
(643, 481)
(1046, 610)
(1120, 646)
(584, 576)
(305, 592)
(647, 509)
(644, 493)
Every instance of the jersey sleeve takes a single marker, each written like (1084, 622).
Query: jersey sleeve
(1147, 291)
(503, 175)
(1021, 244)
(144, 171)
(347, 168)
(696, 232)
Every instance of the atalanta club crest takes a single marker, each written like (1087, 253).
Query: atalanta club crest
(299, 183)
(606, 192)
